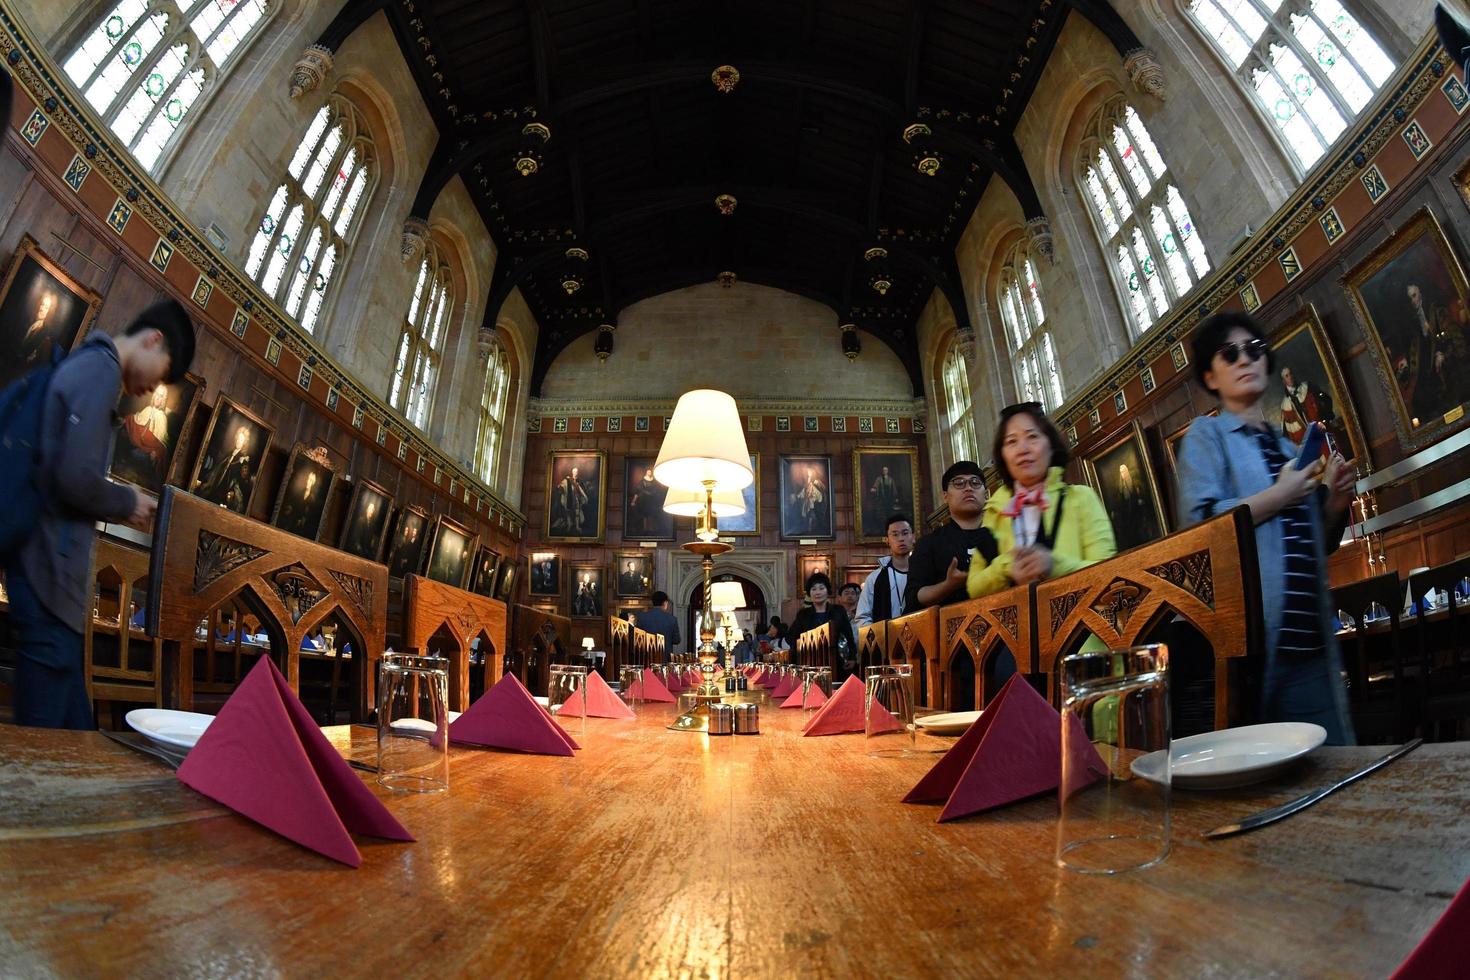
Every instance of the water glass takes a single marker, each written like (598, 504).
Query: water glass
(630, 683)
(819, 678)
(889, 687)
(1115, 711)
(568, 683)
(413, 723)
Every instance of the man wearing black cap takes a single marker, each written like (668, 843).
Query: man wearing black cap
(50, 578)
(941, 560)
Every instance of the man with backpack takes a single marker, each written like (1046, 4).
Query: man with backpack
(67, 450)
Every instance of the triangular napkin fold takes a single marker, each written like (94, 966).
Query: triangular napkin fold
(1441, 953)
(770, 679)
(507, 717)
(650, 688)
(814, 698)
(843, 713)
(265, 758)
(1013, 751)
(601, 701)
(788, 684)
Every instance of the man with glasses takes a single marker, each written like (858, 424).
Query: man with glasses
(941, 560)
(885, 589)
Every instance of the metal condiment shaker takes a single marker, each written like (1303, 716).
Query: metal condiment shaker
(747, 719)
(721, 719)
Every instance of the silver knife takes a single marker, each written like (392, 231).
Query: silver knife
(1302, 802)
(136, 742)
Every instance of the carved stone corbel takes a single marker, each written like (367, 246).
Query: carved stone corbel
(1146, 73)
(415, 238)
(311, 69)
(1042, 243)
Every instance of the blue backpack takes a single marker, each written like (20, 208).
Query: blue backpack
(21, 404)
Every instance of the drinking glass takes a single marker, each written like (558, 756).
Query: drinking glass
(819, 678)
(568, 683)
(413, 723)
(889, 687)
(630, 678)
(1115, 710)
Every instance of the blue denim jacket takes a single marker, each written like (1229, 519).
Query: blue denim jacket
(1220, 465)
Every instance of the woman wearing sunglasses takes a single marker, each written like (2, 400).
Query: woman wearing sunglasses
(1238, 458)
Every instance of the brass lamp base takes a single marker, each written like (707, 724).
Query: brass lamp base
(696, 719)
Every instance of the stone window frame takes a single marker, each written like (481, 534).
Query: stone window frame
(489, 434)
(1279, 31)
(1145, 257)
(420, 349)
(181, 16)
(954, 383)
(1023, 314)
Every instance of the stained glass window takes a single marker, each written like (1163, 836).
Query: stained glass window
(1024, 316)
(492, 415)
(1142, 220)
(957, 405)
(420, 346)
(308, 223)
(147, 62)
(1309, 64)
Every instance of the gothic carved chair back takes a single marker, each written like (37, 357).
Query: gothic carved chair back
(204, 555)
(541, 639)
(123, 663)
(620, 651)
(1206, 574)
(872, 642)
(429, 606)
(814, 647)
(982, 630)
(914, 640)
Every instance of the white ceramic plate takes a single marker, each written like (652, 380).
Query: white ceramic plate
(176, 729)
(421, 724)
(1233, 757)
(949, 723)
(544, 702)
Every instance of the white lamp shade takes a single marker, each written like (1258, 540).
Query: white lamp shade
(586, 643)
(726, 595)
(690, 503)
(705, 441)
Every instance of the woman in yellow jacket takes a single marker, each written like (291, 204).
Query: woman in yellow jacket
(1044, 527)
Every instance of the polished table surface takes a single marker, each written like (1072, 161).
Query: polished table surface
(659, 853)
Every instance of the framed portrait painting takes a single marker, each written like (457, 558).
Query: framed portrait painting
(1308, 387)
(302, 501)
(806, 497)
(41, 308)
(451, 551)
(228, 466)
(634, 575)
(857, 574)
(1410, 295)
(367, 520)
(588, 595)
(154, 426)
(576, 488)
(747, 524)
(644, 518)
(809, 565)
(544, 575)
(483, 579)
(407, 546)
(1121, 474)
(886, 482)
(507, 585)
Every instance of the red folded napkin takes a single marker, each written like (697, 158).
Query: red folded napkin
(507, 717)
(814, 698)
(676, 683)
(1013, 751)
(843, 713)
(601, 701)
(771, 679)
(264, 758)
(650, 688)
(788, 684)
(1442, 953)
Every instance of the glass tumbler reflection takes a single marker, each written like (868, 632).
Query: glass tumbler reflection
(413, 723)
(568, 683)
(888, 710)
(1115, 709)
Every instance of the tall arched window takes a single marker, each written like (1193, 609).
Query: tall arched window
(957, 404)
(309, 222)
(416, 366)
(1152, 244)
(1309, 65)
(147, 62)
(1032, 354)
(492, 415)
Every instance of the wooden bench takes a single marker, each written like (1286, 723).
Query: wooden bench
(430, 606)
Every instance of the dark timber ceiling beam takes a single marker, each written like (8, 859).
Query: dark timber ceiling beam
(353, 15)
(1106, 19)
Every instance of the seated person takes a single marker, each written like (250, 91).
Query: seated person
(940, 560)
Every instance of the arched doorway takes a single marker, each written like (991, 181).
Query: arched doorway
(750, 617)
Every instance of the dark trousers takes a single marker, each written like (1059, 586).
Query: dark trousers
(50, 690)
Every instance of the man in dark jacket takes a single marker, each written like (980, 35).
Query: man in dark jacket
(50, 579)
(940, 561)
(659, 620)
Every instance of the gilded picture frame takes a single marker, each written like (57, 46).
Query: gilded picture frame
(1426, 372)
(543, 575)
(227, 469)
(635, 582)
(1304, 353)
(809, 564)
(408, 543)
(134, 455)
(807, 510)
(487, 566)
(587, 591)
(1133, 503)
(41, 307)
(301, 502)
(451, 552)
(369, 513)
(576, 496)
(879, 491)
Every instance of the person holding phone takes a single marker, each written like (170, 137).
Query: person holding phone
(1299, 504)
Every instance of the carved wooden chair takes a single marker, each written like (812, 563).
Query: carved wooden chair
(976, 635)
(872, 641)
(123, 665)
(914, 639)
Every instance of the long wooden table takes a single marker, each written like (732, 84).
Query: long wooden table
(659, 853)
